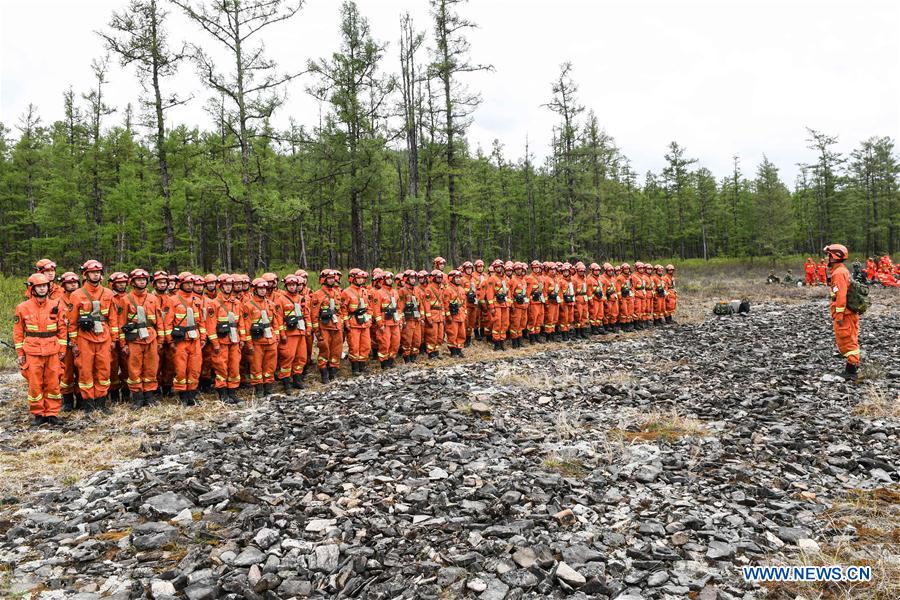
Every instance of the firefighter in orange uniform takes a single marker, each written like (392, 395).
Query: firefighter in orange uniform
(40, 343)
(140, 322)
(263, 326)
(567, 308)
(187, 324)
(356, 315)
(118, 364)
(439, 263)
(437, 314)
(94, 334)
(672, 294)
(325, 321)
(231, 331)
(166, 371)
(534, 289)
(659, 296)
(385, 317)
(554, 299)
(844, 321)
(455, 302)
(595, 305)
(640, 296)
(411, 304)
(496, 296)
(809, 268)
(611, 299)
(518, 311)
(822, 272)
(484, 313)
(472, 283)
(580, 319)
(306, 293)
(67, 386)
(208, 291)
(626, 298)
(293, 354)
(47, 267)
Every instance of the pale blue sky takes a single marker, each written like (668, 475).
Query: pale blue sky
(721, 77)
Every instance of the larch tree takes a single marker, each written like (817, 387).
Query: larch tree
(451, 60)
(138, 36)
(252, 86)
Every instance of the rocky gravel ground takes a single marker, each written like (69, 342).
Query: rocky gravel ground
(650, 465)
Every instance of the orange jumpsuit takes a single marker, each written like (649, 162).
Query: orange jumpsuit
(484, 312)
(659, 297)
(455, 303)
(411, 304)
(626, 298)
(822, 272)
(672, 297)
(567, 308)
(844, 321)
(293, 354)
(518, 312)
(263, 325)
(118, 362)
(648, 296)
(581, 301)
(551, 307)
(39, 334)
(167, 352)
(534, 290)
(637, 290)
(595, 302)
(471, 284)
(142, 359)
(187, 339)
(386, 319)
(95, 343)
(356, 314)
(228, 314)
(496, 296)
(207, 374)
(325, 321)
(434, 320)
(809, 268)
(67, 377)
(611, 300)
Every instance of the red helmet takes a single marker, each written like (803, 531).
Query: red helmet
(225, 278)
(468, 265)
(595, 267)
(579, 266)
(837, 252)
(423, 275)
(508, 265)
(638, 264)
(209, 278)
(377, 274)
(197, 279)
(138, 274)
(479, 263)
(185, 276)
(550, 266)
(437, 274)
(607, 267)
(658, 267)
(118, 276)
(439, 259)
(157, 275)
(388, 275)
(291, 279)
(361, 274)
(271, 278)
(45, 264)
(454, 273)
(92, 265)
(536, 264)
(626, 266)
(260, 282)
(172, 277)
(68, 277)
(670, 267)
(566, 267)
(301, 273)
(37, 279)
(353, 272)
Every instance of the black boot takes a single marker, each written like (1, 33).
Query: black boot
(497, 345)
(112, 395)
(287, 388)
(223, 394)
(167, 391)
(670, 320)
(259, 392)
(297, 381)
(137, 400)
(124, 394)
(267, 389)
(323, 372)
(432, 355)
(502, 349)
(333, 373)
(851, 372)
(413, 357)
(102, 404)
(354, 368)
(459, 353)
(390, 362)
(468, 342)
(52, 421)
(152, 398)
(68, 402)
(184, 398)
(384, 365)
(38, 420)
(231, 397)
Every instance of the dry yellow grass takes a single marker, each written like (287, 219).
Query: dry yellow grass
(875, 517)
(660, 425)
(567, 467)
(877, 404)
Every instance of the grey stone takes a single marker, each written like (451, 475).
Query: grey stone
(569, 575)
(251, 555)
(166, 505)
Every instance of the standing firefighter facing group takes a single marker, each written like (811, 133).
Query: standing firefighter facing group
(83, 345)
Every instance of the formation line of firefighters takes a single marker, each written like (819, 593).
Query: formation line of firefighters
(81, 344)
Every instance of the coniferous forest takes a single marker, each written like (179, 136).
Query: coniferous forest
(386, 174)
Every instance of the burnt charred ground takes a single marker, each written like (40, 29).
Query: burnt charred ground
(652, 464)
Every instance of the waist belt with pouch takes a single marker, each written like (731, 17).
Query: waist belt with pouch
(568, 298)
(553, 296)
(40, 334)
(536, 296)
(471, 298)
(626, 292)
(454, 308)
(261, 328)
(180, 332)
(519, 298)
(361, 315)
(501, 298)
